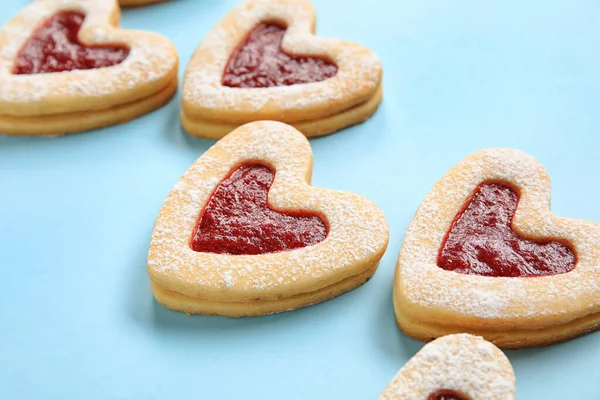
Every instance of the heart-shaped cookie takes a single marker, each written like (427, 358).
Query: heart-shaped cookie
(263, 61)
(485, 255)
(243, 232)
(238, 220)
(66, 67)
(454, 367)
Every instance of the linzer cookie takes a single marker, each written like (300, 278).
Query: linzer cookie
(263, 61)
(454, 367)
(243, 232)
(66, 67)
(485, 255)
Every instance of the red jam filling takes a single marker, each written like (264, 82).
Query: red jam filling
(446, 395)
(55, 47)
(238, 220)
(482, 242)
(260, 62)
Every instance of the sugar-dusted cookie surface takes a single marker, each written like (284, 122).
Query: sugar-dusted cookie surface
(66, 67)
(263, 61)
(454, 367)
(243, 232)
(485, 255)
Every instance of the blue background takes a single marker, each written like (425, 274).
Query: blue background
(77, 318)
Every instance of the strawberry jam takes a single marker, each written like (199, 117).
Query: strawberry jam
(260, 62)
(481, 240)
(445, 394)
(55, 47)
(238, 220)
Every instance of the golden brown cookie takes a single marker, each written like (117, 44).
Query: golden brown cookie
(243, 232)
(263, 61)
(457, 367)
(66, 67)
(484, 255)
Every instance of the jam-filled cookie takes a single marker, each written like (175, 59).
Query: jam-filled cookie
(243, 232)
(454, 367)
(66, 67)
(262, 61)
(485, 255)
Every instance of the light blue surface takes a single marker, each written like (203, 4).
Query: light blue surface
(77, 319)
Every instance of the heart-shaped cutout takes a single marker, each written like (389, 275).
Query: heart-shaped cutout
(66, 67)
(55, 47)
(454, 367)
(260, 62)
(263, 62)
(238, 220)
(481, 240)
(281, 277)
(536, 282)
(446, 395)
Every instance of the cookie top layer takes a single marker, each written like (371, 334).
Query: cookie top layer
(357, 77)
(356, 240)
(462, 363)
(150, 66)
(519, 303)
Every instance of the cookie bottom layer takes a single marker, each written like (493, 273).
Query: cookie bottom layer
(60, 124)
(319, 127)
(193, 305)
(512, 339)
(137, 3)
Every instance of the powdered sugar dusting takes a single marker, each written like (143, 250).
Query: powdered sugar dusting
(150, 66)
(357, 229)
(463, 363)
(204, 97)
(514, 301)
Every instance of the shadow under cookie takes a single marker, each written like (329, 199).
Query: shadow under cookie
(195, 305)
(138, 3)
(311, 128)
